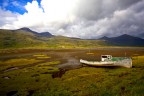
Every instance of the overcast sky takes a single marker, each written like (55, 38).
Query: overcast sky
(87, 19)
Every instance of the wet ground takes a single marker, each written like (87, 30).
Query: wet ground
(69, 57)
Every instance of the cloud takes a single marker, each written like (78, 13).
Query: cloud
(113, 21)
(33, 18)
(79, 18)
(7, 18)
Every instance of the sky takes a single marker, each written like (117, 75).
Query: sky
(86, 19)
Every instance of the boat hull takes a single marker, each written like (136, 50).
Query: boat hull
(121, 63)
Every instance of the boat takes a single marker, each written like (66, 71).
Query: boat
(108, 60)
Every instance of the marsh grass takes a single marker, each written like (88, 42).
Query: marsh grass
(90, 53)
(87, 81)
(24, 80)
(92, 81)
(16, 62)
(49, 63)
(41, 56)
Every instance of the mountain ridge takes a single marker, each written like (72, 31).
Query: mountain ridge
(26, 38)
(44, 34)
(124, 40)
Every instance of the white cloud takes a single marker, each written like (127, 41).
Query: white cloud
(51, 16)
(7, 18)
(79, 18)
(34, 16)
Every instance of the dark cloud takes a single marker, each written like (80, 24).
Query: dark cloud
(97, 9)
(127, 3)
(111, 17)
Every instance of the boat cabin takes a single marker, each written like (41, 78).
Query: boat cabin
(106, 57)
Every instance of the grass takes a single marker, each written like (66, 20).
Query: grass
(89, 53)
(50, 63)
(41, 56)
(16, 62)
(26, 79)
(87, 81)
(102, 81)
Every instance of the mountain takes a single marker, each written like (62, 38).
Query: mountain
(124, 40)
(19, 39)
(43, 34)
(26, 38)
(25, 29)
(104, 38)
(141, 35)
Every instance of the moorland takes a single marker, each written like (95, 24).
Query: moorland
(57, 72)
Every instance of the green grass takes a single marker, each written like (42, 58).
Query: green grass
(100, 82)
(18, 39)
(50, 63)
(26, 79)
(86, 81)
(16, 62)
(41, 56)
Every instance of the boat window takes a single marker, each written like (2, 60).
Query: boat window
(104, 56)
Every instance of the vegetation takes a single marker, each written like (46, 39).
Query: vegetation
(11, 63)
(29, 67)
(24, 39)
(100, 82)
(18, 39)
(38, 80)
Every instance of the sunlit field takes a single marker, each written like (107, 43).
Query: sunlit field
(41, 72)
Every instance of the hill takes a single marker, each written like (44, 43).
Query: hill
(141, 35)
(43, 34)
(18, 39)
(26, 38)
(124, 40)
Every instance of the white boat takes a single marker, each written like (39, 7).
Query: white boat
(108, 60)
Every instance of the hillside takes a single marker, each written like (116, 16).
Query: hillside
(124, 40)
(16, 39)
(141, 35)
(26, 38)
(43, 34)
